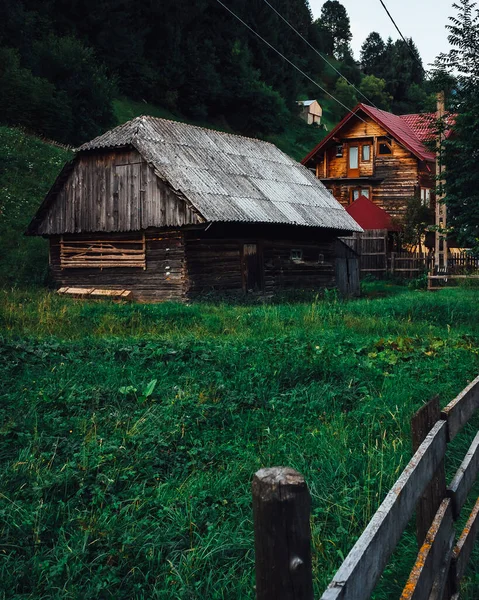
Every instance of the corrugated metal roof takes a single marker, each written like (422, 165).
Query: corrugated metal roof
(228, 177)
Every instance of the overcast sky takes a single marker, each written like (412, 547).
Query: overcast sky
(423, 20)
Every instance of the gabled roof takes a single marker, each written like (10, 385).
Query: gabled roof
(402, 129)
(228, 177)
(370, 215)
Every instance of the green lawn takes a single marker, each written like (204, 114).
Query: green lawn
(129, 434)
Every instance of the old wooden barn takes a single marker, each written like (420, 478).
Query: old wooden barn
(169, 211)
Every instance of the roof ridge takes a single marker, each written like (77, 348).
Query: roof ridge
(228, 133)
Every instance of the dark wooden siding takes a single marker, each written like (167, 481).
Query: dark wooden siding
(315, 270)
(213, 264)
(218, 263)
(163, 279)
(114, 191)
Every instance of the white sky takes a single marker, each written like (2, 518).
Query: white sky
(423, 20)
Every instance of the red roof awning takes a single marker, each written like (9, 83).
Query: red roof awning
(370, 215)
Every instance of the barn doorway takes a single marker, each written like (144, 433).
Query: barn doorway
(252, 267)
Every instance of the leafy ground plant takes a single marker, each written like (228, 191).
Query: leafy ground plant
(129, 434)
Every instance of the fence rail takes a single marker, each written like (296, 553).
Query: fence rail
(282, 511)
(377, 259)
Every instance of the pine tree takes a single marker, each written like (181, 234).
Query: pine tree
(372, 55)
(462, 147)
(334, 19)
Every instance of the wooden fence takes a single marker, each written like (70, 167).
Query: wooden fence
(376, 259)
(281, 507)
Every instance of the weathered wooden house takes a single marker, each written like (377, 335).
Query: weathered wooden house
(168, 211)
(380, 156)
(311, 111)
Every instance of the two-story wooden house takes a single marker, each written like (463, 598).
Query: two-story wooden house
(381, 156)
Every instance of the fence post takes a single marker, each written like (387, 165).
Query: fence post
(281, 510)
(421, 424)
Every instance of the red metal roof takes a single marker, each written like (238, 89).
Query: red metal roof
(399, 127)
(370, 215)
(424, 125)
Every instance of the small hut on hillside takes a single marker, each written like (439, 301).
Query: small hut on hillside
(167, 210)
(311, 111)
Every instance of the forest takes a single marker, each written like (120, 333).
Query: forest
(65, 63)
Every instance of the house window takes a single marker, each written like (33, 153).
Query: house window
(359, 191)
(384, 146)
(366, 153)
(296, 254)
(339, 150)
(102, 254)
(426, 197)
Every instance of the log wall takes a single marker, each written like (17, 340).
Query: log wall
(392, 179)
(114, 191)
(163, 279)
(182, 264)
(218, 263)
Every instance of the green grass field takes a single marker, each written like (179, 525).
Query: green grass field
(129, 434)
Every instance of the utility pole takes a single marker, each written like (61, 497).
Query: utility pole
(440, 247)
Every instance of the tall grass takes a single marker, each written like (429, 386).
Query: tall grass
(129, 433)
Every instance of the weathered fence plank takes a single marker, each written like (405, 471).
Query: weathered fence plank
(357, 576)
(465, 544)
(439, 540)
(465, 477)
(442, 588)
(460, 410)
(421, 424)
(281, 509)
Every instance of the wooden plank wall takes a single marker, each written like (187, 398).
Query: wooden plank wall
(114, 191)
(216, 265)
(213, 264)
(401, 171)
(163, 279)
(282, 273)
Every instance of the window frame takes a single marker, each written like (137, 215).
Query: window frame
(366, 145)
(299, 256)
(359, 189)
(389, 144)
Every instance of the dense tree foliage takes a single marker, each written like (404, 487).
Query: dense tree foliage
(335, 20)
(462, 148)
(73, 57)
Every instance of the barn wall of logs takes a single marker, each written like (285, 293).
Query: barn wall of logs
(163, 278)
(182, 264)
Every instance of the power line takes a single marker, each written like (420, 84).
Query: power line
(287, 59)
(319, 53)
(404, 39)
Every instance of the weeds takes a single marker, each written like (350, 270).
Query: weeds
(129, 433)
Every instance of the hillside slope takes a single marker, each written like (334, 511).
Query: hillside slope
(28, 167)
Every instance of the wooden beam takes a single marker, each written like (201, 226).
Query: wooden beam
(359, 573)
(439, 541)
(460, 410)
(281, 509)
(464, 478)
(421, 424)
(463, 549)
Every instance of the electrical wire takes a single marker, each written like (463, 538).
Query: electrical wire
(404, 39)
(319, 54)
(287, 59)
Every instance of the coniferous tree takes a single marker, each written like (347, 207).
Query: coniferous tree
(334, 19)
(462, 147)
(372, 55)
